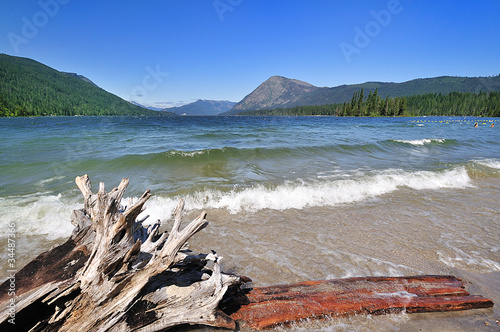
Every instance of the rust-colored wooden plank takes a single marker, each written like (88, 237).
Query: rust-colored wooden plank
(269, 306)
(419, 285)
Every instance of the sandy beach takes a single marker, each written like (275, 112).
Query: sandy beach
(344, 198)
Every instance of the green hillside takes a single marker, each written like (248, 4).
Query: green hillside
(29, 88)
(286, 93)
(203, 107)
(430, 104)
(443, 85)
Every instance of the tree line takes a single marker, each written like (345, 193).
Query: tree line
(485, 104)
(28, 88)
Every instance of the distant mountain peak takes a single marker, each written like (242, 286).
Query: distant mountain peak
(203, 107)
(274, 92)
(283, 79)
(281, 92)
(83, 78)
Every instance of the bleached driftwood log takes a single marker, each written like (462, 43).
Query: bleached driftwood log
(113, 274)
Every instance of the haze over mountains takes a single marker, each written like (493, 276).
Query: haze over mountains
(282, 92)
(203, 107)
(29, 88)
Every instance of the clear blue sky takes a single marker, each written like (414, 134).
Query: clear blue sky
(166, 51)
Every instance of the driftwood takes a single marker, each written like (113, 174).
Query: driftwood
(267, 307)
(113, 274)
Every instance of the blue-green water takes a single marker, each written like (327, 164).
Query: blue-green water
(288, 198)
(178, 156)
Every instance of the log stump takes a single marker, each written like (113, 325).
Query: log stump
(114, 274)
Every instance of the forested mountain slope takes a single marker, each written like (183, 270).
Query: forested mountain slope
(29, 88)
(286, 93)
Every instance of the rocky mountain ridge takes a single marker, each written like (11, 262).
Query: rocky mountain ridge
(282, 92)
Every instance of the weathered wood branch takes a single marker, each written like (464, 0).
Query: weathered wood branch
(266, 307)
(113, 274)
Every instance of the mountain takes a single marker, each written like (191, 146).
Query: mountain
(159, 109)
(83, 78)
(277, 91)
(281, 92)
(29, 88)
(203, 107)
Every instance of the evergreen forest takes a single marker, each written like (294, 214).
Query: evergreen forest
(484, 104)
(29, 88)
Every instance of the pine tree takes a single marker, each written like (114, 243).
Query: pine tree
(386, 106)
(359, 106)
(403, 107)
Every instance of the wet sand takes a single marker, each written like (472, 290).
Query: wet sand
(403, 233)
(452, 232)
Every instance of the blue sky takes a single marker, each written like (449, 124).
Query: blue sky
(166, 52)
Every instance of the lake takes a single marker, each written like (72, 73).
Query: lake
(288, 198)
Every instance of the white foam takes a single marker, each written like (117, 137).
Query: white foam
(37, 214)
(44, 181)
(422, 141)
(176, 153)
(469, 260)
(358, 265)
(46, 214)
(404, 294)
(491, 163)
(304, 194)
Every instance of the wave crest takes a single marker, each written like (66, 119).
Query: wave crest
(491, 163)
(423, 141)
(303, 194)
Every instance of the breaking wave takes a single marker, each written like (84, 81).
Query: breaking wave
(491, 163)
(304, 194)
(422, 141)
(49, 214)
